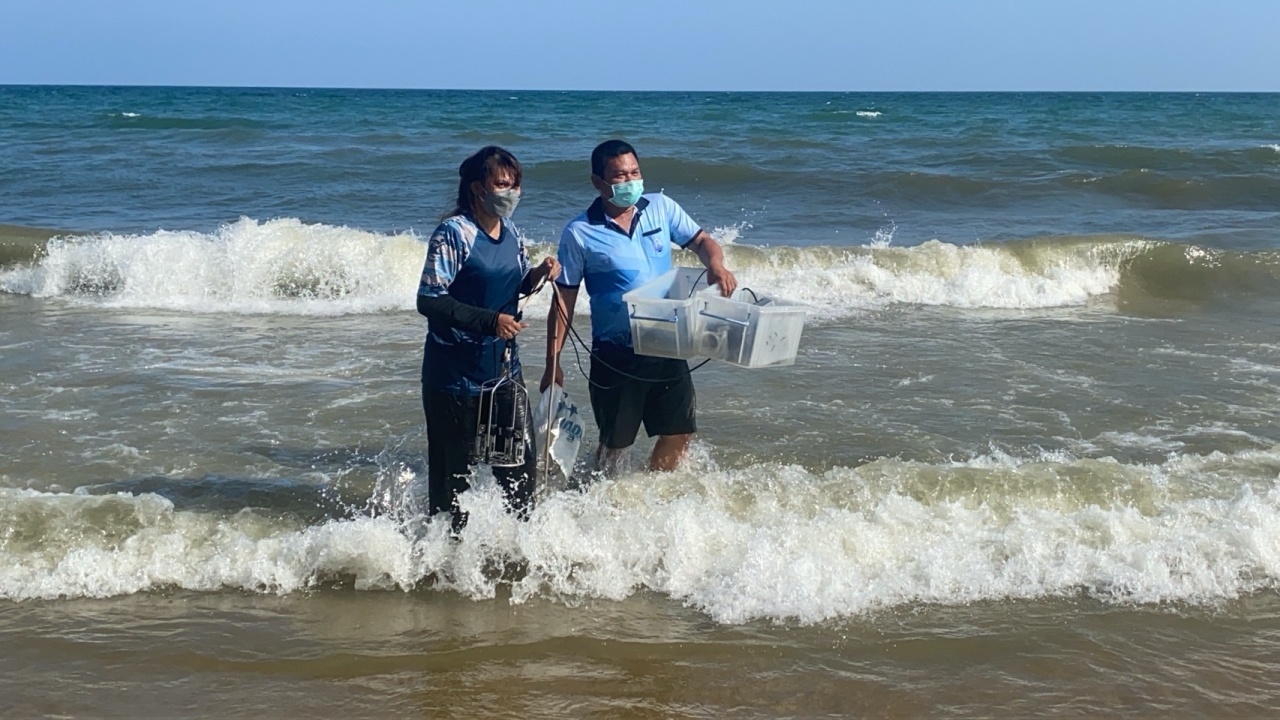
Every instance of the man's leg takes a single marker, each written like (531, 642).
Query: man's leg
(609, 460)
(668, 451)
(617, 403)
(670, 413)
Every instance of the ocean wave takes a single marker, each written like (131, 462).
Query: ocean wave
(1192, 273)
(838, 115)
(1134, 157)
(772, 542)
(1246, 181)
(932, 186)
(1185, 192)
(20, 244)
(141, 121)
(494, 137)
(286, 266)
(279, 266)
(659, 170)
(839, 282)
(1035, 273)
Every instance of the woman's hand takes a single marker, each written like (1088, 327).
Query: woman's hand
(508, 327)
(548, 269)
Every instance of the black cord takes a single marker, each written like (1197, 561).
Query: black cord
(595, 357)
(532, 291)
(755, 299)
(694, 288)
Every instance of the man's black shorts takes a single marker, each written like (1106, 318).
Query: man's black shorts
(663, 400)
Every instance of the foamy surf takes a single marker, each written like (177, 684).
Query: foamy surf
(279, 266)
(841, 282)
(286, 266)
(775, 542)
(289, 267)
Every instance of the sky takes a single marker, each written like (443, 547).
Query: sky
(888, 45)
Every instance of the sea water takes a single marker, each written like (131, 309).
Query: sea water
(1026, 461)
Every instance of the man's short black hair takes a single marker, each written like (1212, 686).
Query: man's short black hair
(606, 151)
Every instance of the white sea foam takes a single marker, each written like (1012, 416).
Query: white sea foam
(729, 234)
(280, 266)
(1248, 367)
(764, 542)
(869, 113)
(1143, 441)
(289, 267)
(884, 236)
(1273, 146)
(934, 273)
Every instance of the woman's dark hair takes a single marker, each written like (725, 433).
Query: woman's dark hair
(606, 151)
(477, 168)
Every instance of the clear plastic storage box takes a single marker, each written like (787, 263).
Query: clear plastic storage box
(661, 311)
(747, 329)
(677, 315)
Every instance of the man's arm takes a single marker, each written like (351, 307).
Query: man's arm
(712, 257)
(563, 302)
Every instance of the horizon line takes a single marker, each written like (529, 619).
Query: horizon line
(596, 90)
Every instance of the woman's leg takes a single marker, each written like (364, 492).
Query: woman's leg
(450, 435)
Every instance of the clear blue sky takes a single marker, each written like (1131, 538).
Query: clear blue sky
(648, 44)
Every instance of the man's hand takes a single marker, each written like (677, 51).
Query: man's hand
(508, 327)
(712, 257)
(719, 275)
(547, 379)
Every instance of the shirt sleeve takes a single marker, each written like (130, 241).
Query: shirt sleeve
(682, 227)
(446, 253)
(571, 259)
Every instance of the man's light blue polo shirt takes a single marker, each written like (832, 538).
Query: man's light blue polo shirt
(595, 250)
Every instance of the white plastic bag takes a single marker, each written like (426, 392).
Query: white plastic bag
(566, 428)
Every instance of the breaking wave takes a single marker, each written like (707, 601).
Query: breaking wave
(289, 267)
(767, 541)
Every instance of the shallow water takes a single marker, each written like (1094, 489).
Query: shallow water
(1033, 475)
(338, 653)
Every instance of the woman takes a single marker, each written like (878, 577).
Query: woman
(476, 269)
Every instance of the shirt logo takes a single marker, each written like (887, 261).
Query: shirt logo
(656, 240)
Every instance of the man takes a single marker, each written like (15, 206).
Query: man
(621, 242)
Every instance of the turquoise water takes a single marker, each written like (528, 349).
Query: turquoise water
(790, 168)
(1026, 461)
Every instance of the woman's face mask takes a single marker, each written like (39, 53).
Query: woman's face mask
(501, 202)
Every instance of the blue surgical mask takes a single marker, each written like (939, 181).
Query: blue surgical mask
(626, 194)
